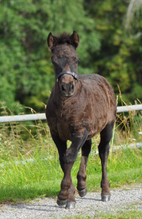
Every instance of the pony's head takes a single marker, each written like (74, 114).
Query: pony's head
(65, 61)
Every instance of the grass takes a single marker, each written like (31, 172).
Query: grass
(123, 215)
(131, 214)
(29, 165)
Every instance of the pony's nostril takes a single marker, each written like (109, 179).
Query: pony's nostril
(63, 88)
(72, 86)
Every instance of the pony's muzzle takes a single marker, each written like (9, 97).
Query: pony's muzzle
(67, 89)
(67, 84)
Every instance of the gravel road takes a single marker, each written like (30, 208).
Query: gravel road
(128, 198)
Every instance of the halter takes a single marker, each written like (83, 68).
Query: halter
(75, 76)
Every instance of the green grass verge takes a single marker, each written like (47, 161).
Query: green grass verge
(29, 165)
(131, 214)
(41, 177)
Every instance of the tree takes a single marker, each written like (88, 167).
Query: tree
(106, 46)
(133, 26)
(120, 55)
(26, 70)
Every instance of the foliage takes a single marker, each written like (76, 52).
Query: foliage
(120, 55)
(106, 47)
(26, 72)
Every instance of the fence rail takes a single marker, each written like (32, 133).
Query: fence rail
(41, 116)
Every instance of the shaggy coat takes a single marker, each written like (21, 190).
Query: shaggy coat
(80, 106)
(92, 107)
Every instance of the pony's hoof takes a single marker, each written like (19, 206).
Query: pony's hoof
(61, 203)
(82, 192)
(105, 198)
(70, 205)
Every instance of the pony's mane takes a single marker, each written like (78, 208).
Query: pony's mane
(63, 38)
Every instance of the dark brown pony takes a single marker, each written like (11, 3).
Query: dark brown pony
(80, 106)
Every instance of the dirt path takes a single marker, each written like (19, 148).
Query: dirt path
(128, 198)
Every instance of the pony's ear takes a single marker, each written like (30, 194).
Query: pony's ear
(51, 41)
(75, 39)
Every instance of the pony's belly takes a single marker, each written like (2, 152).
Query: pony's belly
(95, 128)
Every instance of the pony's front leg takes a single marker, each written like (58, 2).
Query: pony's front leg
(69, 159)
(66, 195)
(62, 147)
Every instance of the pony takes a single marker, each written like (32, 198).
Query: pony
(80, 106)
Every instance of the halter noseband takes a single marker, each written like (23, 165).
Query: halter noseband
(75, 76)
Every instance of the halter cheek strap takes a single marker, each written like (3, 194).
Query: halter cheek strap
(75, 76)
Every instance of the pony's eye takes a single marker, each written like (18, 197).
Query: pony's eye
(53, 60)
(76, 59)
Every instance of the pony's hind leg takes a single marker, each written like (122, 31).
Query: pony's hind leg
(106, 135)
(81, 176)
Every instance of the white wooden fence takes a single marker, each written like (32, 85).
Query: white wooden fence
(41, 116)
